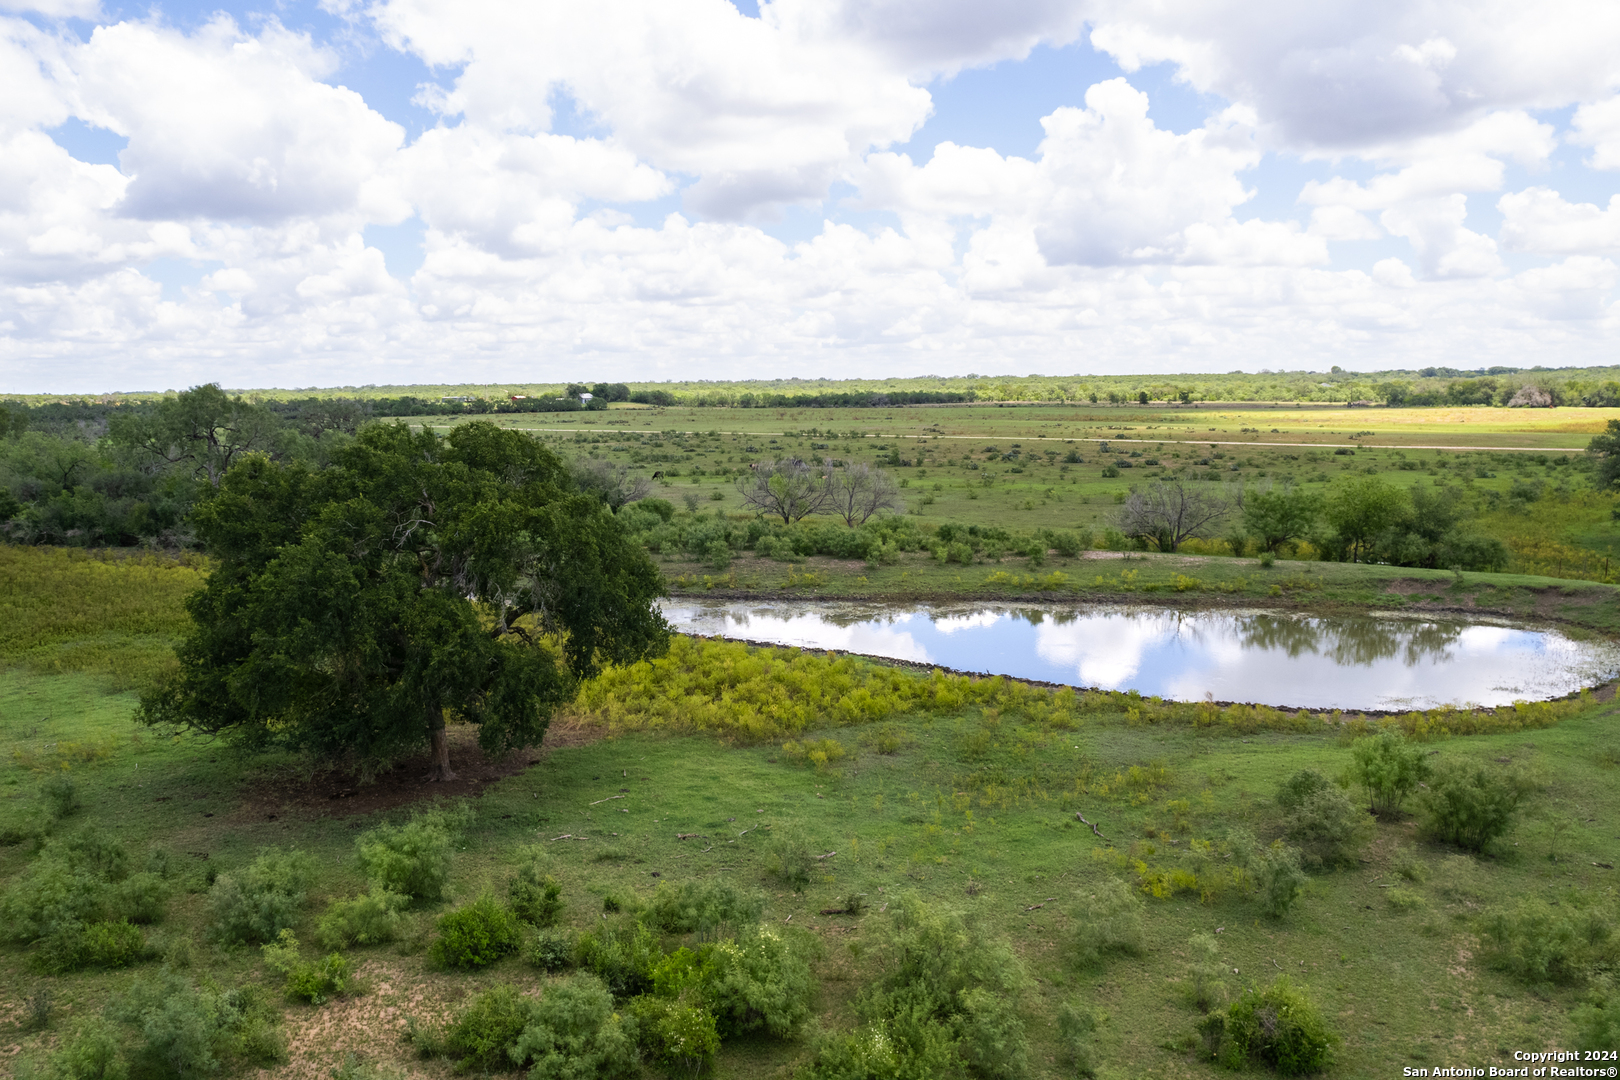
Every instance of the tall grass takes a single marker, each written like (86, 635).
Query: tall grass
(112, 614)
(754, 694)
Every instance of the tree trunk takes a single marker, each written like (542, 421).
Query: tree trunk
(440, 770)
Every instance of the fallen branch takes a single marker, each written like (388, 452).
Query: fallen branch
(1094, 829)
(1043, 903)
(564, 836)
(610, 798)
(709, 848)
(689, 835)
(829, 855)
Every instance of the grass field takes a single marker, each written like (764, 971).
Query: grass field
(971, 806)
(1048, 466)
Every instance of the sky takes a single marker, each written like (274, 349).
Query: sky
(343, 192)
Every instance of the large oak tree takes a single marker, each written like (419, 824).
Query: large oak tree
(352, 607)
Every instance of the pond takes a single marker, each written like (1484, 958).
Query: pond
(1297, 661)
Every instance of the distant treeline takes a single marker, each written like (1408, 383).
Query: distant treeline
(1431, 386)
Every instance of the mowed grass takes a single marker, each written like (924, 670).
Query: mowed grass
(973, 809)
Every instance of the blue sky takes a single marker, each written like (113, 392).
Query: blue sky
(423, 191)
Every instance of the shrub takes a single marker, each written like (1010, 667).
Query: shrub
(51, 893)
(1077, 1025)
(179, 1029)
(1389, 769)
(949, 1004)
(255, 904)
(476, 935)
(1278, 879)
(1470, 805)
(701, 907)
(789, 860)
(677, 1034)
(140, 898)
(93, 852)
(536, 898)
(622, 955)
(1537, 942)
(315, 982)
(1107, 923)
(1066, 544)
(370, 919)
(412, 859)
(61, 796)
(758, 981)
(574, 1034)
(1597, 1022)
(1321, 820)
(72, 946)
(1204, 986)
(551, 949)
(1279, 1026)
(483, 1034)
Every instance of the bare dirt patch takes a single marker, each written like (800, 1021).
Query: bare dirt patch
(343, 792)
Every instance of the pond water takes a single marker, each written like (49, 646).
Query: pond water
(1299, 661)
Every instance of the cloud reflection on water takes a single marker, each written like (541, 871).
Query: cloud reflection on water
(1318, 662)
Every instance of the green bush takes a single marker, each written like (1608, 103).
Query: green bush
(476, 935)
(140, 898)
(948, 1005)
(679, 1035)
(536, 898)
(313, 981)
(1107, 923)
(757, 981)
(789, 859)
(622, 955)
(483, 1035)
(255, 904)
(1389, 769)
(1077, 1027)
(1279, 1026)
(1538, 942)
(370, 919)
(1471, 805)
(74, 946)
(92, 851)
(61, 796)
(48, 894)
(1597, 1022)
(413, 859)
(552, 949)
(1321, 820)
(1066, 544)
(1278, 879)
(176, 1029)
(1205, 985)
(702, 907)
(573, 1033)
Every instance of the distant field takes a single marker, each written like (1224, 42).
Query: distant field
(1009, 465)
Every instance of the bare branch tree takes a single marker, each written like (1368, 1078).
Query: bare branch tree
(613, 484)
(788, 489)
(1168, 513)
(856, 491)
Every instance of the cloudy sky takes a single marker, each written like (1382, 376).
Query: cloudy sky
(342, 192)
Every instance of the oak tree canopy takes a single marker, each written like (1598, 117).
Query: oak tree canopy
(351, 607)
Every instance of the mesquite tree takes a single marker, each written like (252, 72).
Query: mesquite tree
(788, 489)
(856, 491)
(1165, 514)
(350, 608)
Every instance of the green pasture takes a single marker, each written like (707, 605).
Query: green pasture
(1068, 467)
(972, 808)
